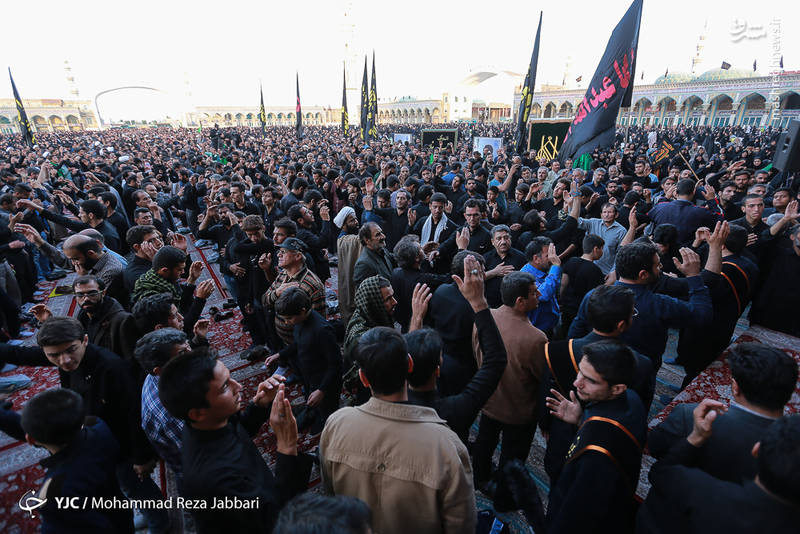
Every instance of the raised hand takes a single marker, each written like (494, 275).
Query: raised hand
(200, 328)
(267, 390)
(462, 238)
(41, 312)
(204, 289)
(283, 423)
(195, 271)
(689, 264)
(703, 417)
(719, 236)
(568, 410)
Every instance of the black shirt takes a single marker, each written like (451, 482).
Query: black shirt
(515, 258)
(403, 282)
(584, 276)
(225, 463)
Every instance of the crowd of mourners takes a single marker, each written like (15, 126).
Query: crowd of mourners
(481, 295)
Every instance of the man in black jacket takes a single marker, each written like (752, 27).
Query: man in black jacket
(316, 241)
(687, 500)
(472, 236)
(374, 258)
(92, 214)
(220, 462)
(763, 379)
(106, 383)
(425, 348)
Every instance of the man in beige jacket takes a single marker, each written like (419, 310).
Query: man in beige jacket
(402, 460)
(512, 408)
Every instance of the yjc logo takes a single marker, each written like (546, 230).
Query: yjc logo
(31, 502)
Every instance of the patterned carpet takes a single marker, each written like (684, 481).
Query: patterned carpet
(20, 472)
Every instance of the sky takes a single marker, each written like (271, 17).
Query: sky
(219, 52)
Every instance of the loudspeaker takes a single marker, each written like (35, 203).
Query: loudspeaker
(787, 154)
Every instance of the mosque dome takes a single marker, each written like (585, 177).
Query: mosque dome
(721, 74)
(674, 77)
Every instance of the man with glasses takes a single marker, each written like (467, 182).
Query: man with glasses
(106, 384)
(106, 322)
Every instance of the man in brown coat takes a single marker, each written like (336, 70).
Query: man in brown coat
(401, 459)
(512, 408)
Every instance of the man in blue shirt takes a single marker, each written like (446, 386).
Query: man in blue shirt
(545, 265)
(638, 268)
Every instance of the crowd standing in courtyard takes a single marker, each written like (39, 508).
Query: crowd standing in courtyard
(473, 287)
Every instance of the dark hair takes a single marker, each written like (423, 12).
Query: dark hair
(253, 222)
(634, 258)
(287, 224)
(88, 279)
(293, 301)
(425, 191)
(169, 257)
(608, 305)
(299, 183)
(183, 383)
(383, 356)
(425, 348)
(152, 310)
(312, 195)
(295, 212)
(439, 197)
(592, 241)
(779, 458)
(536, 246)
(95, 207)
(516, 284)
(612, 360)
(725, 184)
(457, 265)
(385, 194)
(314, 513)
(58, 330)
(365, 232)
(140, 211)
(472, 203)
(532, 221)
(737, 239)
(240, 186)
(766, 376)
(685, 187)
(135, 234)
(406, 251)
(54, 416)
(666, 234)
(154, 349)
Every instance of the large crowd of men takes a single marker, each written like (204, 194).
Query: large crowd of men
(473, 287)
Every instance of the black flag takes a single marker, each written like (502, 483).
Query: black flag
(666, 72)
(345, 118)
(665, 150)
(262, 115)
(754, 65)
(610, 89)
(372, 116)
(781, 61)
(299, 125)
(725, 65)
(527, 94)
(22, 117)
(364, 105)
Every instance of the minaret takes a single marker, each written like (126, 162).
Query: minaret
(698, 59)
(71, 85)
(353, 65)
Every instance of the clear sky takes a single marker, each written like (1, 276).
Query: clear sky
(423, 47)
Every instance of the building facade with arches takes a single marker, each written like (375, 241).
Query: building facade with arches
(276, 115)
(715, 98)
(48, 115)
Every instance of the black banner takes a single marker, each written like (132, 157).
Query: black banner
(546, 138)
(611, 88)
(22, 117)
(364, 126)
(527, 94)
(439, 138)
(262, 115)
(665, 151)
(299, 125)
(345, 118)
(372, 116)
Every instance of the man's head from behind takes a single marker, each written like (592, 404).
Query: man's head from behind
(685, 188)
(605, 371)
(778, 458)
(293, 306)
(199, 390)
(382, 356)
(53, 417)
(764, 376)
(425, 347)
(156, 348)
(610, 309)
(157, 311)
(638, 263)
(313, 513)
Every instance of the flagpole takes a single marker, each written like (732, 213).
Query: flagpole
(687, 164)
